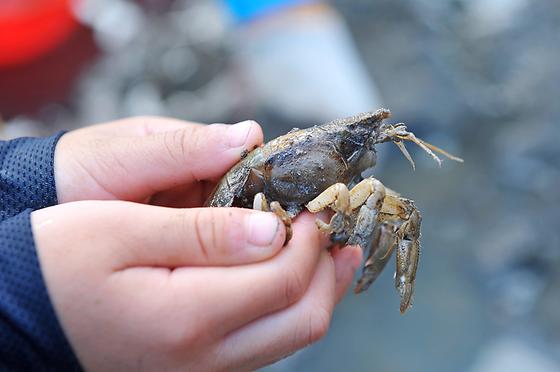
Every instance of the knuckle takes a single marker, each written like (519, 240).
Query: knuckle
(294, 287)
(316, 325)
(208, 229)
(178, 337)
(204, 232)
(185, 331)
(175, 143)
(198, 138)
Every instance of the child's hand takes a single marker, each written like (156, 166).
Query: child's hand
(142, 286)
(146, 287)
(148, 159)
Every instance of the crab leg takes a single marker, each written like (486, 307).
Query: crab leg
(379, 254)
(370, 191)
(337, 197)
(398, 227)
(370, 194)
(260, 204)
(384, 221)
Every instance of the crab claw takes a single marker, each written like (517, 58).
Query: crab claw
(379, 254)
(408, 254)
(403, 280)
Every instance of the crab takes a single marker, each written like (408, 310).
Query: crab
(321, 168)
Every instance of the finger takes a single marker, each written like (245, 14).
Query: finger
(134, 168)
(242, 294)
(167, 237)
(140, 126)
(280, 334)
(346, 261)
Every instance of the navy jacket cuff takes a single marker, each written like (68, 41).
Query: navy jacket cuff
(27, 174)
(31, 338)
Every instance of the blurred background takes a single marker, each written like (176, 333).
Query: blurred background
(480, 78)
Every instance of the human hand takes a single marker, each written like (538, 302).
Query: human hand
(160, 161)
(198, 289)
(176, 288)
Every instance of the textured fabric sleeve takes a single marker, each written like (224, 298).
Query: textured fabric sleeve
(27, 174)
(31, 338)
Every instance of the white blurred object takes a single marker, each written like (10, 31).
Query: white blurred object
(115, 22)
(19, 127)
(143, 99)
(203, 21)
(512, 355)
(304, 64)
(487, 17)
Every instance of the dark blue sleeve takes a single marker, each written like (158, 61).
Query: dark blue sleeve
(27, 174)
(31, 338)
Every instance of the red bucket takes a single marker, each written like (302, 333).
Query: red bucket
(30, 28)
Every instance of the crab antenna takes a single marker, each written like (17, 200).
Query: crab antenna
(441, 151)
(411, 137)
(399, 133)
(405, 152)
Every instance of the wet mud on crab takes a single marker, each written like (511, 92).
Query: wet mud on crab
(321, 168)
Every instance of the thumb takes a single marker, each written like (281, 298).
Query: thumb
(135, 167)
(172, 237)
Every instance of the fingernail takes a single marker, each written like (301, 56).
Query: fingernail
(239, 132)
(262, 229)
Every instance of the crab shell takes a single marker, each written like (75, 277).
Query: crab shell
(296, 167)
